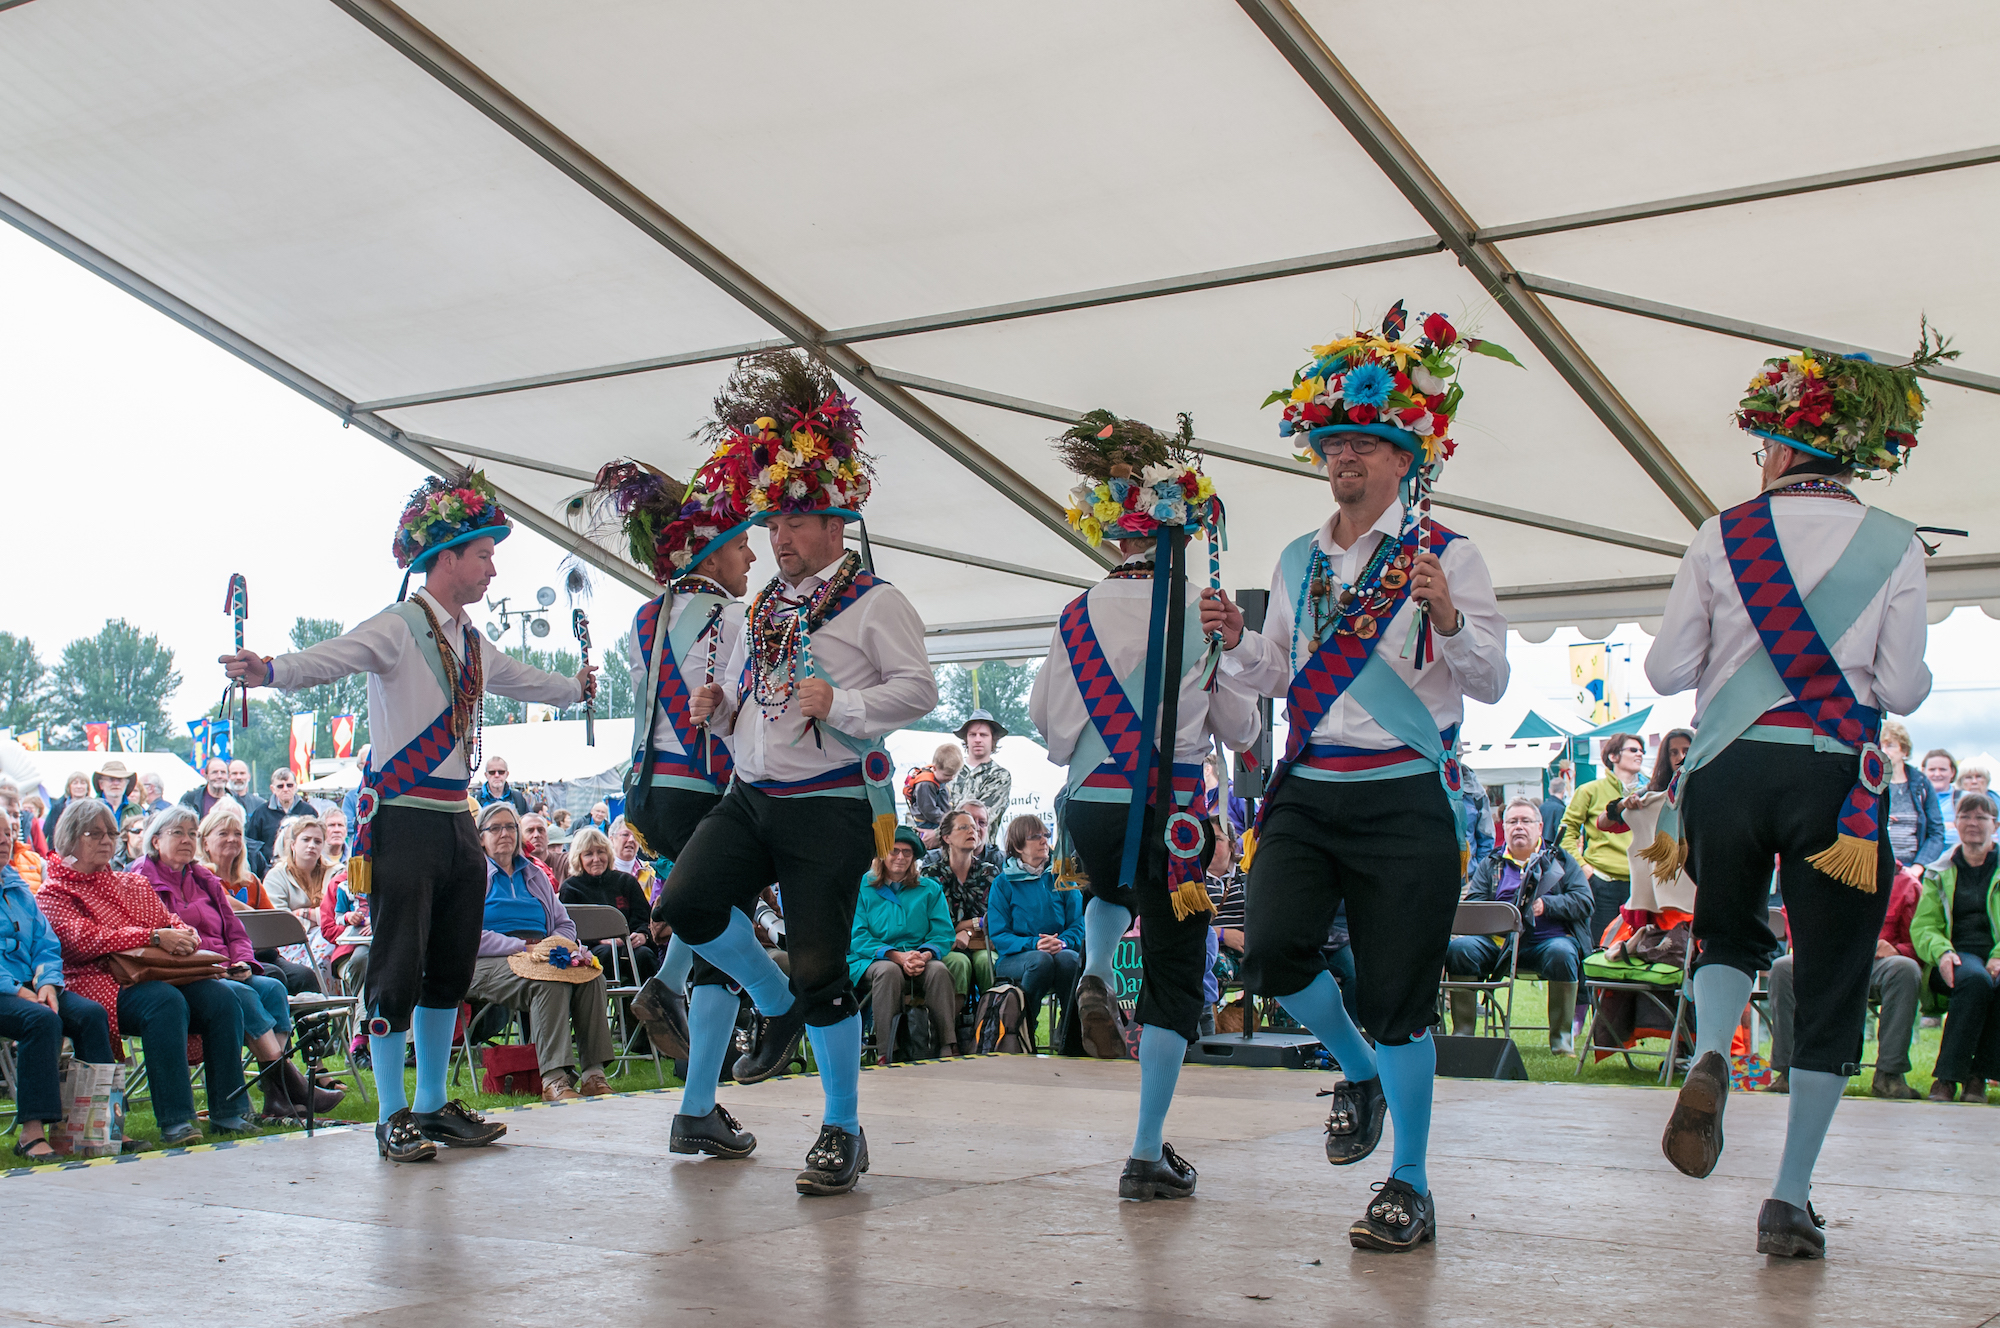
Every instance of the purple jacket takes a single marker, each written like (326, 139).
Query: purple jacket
(197, 896)
(493, 944)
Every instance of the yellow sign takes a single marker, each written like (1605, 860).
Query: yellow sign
(1590, 674)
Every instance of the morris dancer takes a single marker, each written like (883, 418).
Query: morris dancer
(1143, 853)
(832, 658)
(415, 851)
(1798, 617)
(697, 544)
(1381, 623)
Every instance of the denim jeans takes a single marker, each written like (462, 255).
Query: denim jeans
(37, 1033)
(1037, 974)
(162, 1016)
(265, 1004)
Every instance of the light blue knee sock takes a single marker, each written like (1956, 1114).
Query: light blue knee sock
(674, 968)
(1103, 925)
(385, 1050)
(1409, 1074)
(837, 1049)
(1815, 1094)
(737, 953)
(711, 1020)
(1720, 993)
(431, 1029)
(1161, 1052)
(1318, 1007)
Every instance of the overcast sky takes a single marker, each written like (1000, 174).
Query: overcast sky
(144, 465)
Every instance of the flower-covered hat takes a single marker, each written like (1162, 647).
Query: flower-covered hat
(1135, 479)
(1846, 408)
(787, 440)
(1377, 383)
(445, 512)
(668, 526)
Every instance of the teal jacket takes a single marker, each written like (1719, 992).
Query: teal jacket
(1930, 929)
(1023, 906)
(886, 918)
(30, 954)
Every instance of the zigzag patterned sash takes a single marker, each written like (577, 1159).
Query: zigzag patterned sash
(408, 776)
(1325, 677)
(714, 765)
(1805, 663)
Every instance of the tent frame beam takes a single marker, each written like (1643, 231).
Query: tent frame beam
(1330, 81)
(1286, 465)
(472, 85)
(1736, 327)
(972, 560)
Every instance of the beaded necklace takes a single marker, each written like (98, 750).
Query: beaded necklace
(780, 636)
(1359, 609)
(1816, 488)
(694, 583)
(466, 682)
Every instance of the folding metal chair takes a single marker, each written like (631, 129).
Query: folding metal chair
(273, 928)
(1489, 918)
(600, 924)
(1594, 988)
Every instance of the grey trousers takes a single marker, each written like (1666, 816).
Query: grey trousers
(940, 1002)
(554, 1009)
(1894, 984)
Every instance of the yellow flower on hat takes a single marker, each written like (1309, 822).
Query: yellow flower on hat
(1916, 403)
(1335, 347)
(1807, 365)
(1091, 530)
(1308, 389)
(1106, 510)
(1204, 487)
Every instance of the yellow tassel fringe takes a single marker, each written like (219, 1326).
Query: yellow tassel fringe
(1249, 847)
(1192, 898)
(1070, 874)
(1662, 853)
(885, 835)
(1850, 861)
(358, 873)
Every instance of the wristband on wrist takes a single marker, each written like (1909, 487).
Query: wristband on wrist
(1456, 627)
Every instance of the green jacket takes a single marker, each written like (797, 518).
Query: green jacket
(1930, 929)
(1602, 851)
(885, 919)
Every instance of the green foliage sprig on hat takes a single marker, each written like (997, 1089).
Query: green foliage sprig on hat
(1136, 478)
(1847, 408)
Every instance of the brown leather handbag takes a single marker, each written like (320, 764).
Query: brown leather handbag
(151, 963)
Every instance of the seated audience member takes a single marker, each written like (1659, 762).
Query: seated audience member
(627, 857)
(1956, 934)
(930, 798)
(1225, 887)
(521, 910)
(95, 912)
(296, 883)
(966, 877)
(561, 818)
(1036, 929)
(1548, 887)
(335, 853)
(600, 815)
(262, 825)
(902, 931)
(131, 834)
(342, 911)
(598, 882)
(535, 843)
(201, 799)
(1895, 983)
(195, 895)
(34, 810)
(36, 1011)
(1941, 769)
(24, 859)
(982, 819)
(75, 789)
(116, 785)
(1915, 825)
(222, 852)
(152, 794)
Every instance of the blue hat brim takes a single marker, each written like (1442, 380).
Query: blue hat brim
(845, 513)
(496, 533)
(1794, 444)
(719, 541)
(1403, 438)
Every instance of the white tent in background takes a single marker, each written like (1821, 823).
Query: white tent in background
(541, 253)
(176, 775)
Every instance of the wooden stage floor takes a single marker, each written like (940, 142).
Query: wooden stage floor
(992, 1201)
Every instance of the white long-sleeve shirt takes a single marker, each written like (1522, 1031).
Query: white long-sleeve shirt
(403, 692)
(1705, 633)
(873, 653)
(728, 642)
(1121, 611)
(1472, 662)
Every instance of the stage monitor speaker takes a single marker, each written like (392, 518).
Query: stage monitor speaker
(1479, 1058)
(1280, 1051)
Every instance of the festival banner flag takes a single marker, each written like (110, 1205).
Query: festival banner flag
(1590, 674)
(97, 737)
(218, 737)
(30, 741)
(343, 735)
(304, 728)
(198, 740)
(132, 737)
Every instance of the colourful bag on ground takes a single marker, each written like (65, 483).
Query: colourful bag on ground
(93, 1098)
(512, 1068)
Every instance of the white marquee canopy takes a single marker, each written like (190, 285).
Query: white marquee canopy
(535, 235)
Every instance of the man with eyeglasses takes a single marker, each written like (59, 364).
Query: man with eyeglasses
(1799, 619)
(496, 789)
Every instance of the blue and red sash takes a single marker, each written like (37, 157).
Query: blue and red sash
(1820, 691)
(409, 779)
(1325, 677)
(700, 759)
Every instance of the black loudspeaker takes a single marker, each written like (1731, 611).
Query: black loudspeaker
(1479, 1058)
(1280, 1051)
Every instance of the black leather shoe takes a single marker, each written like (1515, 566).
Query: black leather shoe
(457, 1125)
(1693, 1139)
(1974, 1090)
(1892, 1086)
(664, 1013)
(1790, 1232)
(1097, 1019)
(399, 1139)
(1172, 1177)
(1354, 1124)
(718, 1134)
(1397, 1221)
(835, 1162)
(777, 1043)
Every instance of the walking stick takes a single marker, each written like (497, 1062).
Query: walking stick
(236, 603)
(579, 623)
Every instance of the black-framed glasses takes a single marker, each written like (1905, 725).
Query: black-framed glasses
(1360, 444)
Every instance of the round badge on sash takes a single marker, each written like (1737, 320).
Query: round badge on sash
(876, 767)
(1454, 775)
(1183, 835)
(1874, 770)
(366, 800)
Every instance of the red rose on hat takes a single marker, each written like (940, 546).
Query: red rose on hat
(1361, 414)
(1439, 330)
